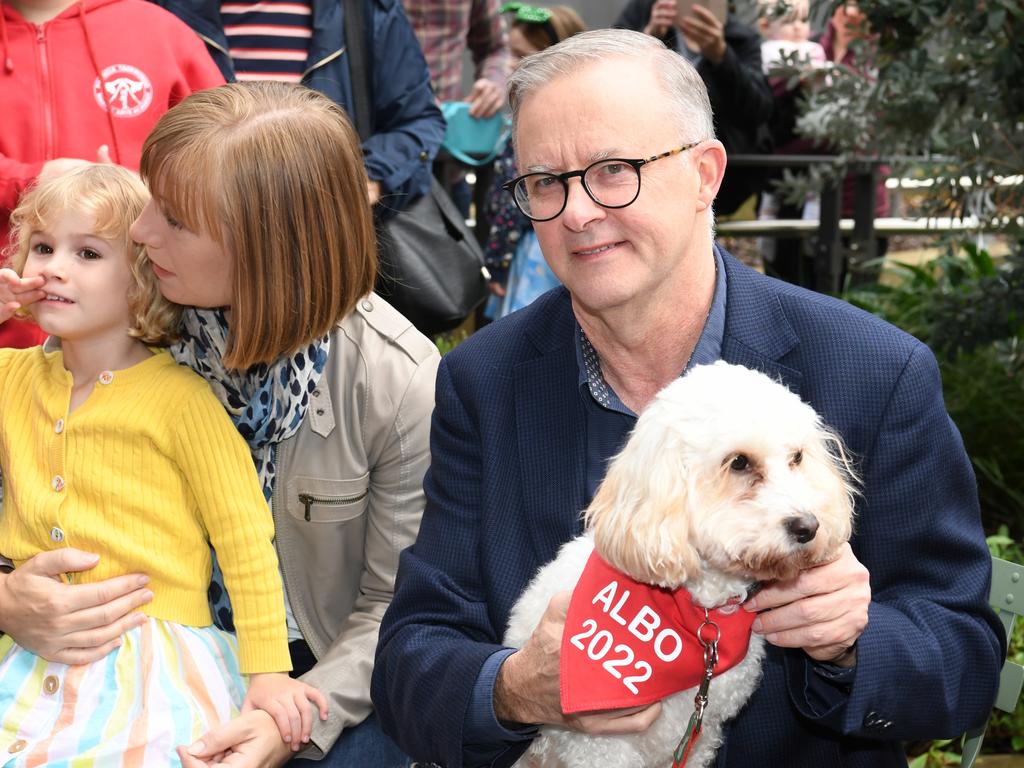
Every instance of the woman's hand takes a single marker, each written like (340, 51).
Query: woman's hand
(17, 292)
(288, 702)
(69, 623)
(251, 740)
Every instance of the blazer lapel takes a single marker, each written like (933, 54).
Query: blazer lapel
(757, 333)
(553, 477)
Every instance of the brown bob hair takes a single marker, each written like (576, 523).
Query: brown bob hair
(274, 174)
(564, 22)
(114, 197)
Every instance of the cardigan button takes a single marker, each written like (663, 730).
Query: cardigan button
(59, 426)
(106, 377)
(50, 684)
(57, 534)
(17, 746)
(57, 483)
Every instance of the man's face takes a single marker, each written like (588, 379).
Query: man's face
(610, 258)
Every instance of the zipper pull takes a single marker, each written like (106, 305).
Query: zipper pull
(307, 502)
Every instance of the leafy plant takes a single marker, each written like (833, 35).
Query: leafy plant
(943, 83)
(971, 313)
(1007, 728)
(446, 342)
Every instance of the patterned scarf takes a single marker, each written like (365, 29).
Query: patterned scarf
(266, 402)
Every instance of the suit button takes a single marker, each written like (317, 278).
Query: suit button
(50, 684)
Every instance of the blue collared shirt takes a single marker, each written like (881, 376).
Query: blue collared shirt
(608, 423)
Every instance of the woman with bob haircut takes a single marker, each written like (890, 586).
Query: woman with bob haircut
(260, 227)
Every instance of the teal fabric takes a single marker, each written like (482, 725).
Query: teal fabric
(471, 140)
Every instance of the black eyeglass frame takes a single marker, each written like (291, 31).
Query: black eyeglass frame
(635, 163)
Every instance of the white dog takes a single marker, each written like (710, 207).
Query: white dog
(728, 480)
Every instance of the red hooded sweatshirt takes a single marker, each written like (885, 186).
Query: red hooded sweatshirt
(101, 72)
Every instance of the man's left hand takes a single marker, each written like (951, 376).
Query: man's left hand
(823, 610)
(485, 98)
(251, 740)
(703, 29)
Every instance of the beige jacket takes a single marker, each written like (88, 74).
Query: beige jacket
(349, 497)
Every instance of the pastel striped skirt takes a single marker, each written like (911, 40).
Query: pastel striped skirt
(165, 686)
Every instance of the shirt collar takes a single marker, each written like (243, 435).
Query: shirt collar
(708, 349)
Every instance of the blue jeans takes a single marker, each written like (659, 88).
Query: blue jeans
(364, 746)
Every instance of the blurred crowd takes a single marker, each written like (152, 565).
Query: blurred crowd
(91, 106)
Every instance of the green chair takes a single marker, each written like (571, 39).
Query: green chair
(1007, 597)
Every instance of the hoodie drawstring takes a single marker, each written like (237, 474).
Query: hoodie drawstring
(116, 155)
(8, 61)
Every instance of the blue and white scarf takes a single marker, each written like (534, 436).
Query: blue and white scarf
(267, 403)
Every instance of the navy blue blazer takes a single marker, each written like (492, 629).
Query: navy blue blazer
(507, 485)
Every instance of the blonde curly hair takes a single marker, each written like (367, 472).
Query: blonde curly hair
(114, 197)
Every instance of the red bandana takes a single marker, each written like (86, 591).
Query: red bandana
(626, 643)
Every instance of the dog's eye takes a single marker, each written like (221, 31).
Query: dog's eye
(798, 457)
(739, 464)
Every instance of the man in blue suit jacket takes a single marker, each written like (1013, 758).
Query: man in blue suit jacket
(892, 641)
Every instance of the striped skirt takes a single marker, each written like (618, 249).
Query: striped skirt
(165, 686)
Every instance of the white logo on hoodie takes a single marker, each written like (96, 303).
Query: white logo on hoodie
(128, 91)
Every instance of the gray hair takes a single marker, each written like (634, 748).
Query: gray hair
(687, 97)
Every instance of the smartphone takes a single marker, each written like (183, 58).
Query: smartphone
(720, 8)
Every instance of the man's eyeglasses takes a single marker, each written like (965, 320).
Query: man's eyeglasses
(611, 183)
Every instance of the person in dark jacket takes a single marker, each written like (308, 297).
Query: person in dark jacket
(728, 57)
(309, 48)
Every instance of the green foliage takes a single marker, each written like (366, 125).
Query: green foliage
(446, 342)
(944, 81)
(971, 314)
(938, 755)
(1007, 728)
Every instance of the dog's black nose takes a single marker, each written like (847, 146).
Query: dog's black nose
(802, 527)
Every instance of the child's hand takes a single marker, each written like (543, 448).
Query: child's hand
(17, 292)
(288, 702)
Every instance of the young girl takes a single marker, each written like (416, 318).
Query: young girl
(108, 446)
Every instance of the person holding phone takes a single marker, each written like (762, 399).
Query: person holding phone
(727, 55)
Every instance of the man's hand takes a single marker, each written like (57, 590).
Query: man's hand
(289, 702)
(485, 98)
(823, 610)
(71, 624)
(17, 292)
(704, 30)
(251, 740)
(663, 17)
(527, 688)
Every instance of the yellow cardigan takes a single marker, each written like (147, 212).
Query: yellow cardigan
(147, 472)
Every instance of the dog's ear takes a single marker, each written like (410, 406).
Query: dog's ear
(640, 516)
(831, 468)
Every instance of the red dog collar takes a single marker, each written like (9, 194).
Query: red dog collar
(627, 643)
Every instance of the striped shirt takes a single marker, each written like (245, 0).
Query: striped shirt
(268, 39)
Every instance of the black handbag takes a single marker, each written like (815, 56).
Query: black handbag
(431, 266)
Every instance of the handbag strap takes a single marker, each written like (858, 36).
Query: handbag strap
(358, 67)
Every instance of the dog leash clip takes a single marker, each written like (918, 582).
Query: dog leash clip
(700, 701)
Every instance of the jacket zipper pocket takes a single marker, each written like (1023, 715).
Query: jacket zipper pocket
(309, 500)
